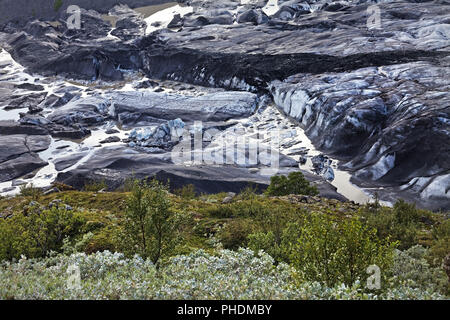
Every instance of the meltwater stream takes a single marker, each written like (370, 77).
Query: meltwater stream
(293, 139)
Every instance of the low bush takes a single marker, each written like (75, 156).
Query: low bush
(62, 186)
(234, 234)
(186, 192)
(440, 246)
(258, 215)
(402, 222)
(150, 227)
(294, 183)
(95, 186)
(29, 190)
(333, 252)
(222, 275)
(38, 232)
(315, 248)
(278, 245)
(412, 269)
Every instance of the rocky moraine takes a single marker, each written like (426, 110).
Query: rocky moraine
(361, 110)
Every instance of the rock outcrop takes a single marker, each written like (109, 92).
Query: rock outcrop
(18, 148)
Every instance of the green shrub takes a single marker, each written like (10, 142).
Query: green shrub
(258, 215)
(151, 227)
(128, 184)
(255, 215)
(406, 213)
(28, 190)
(102, 241)
(401, 223)
(294, 183)
(57, 5)
(259, 208)
(335, 252)
(266, 242)
(278, 244)
(246, 208)
(412, 269)
(77, 245)
(221, 211)
(62, 186)
(11, 244)
(248, 193)
(199, 275)
(234, 234)
(38, 232)
(95, 186)
(440, 246)
(186, 192)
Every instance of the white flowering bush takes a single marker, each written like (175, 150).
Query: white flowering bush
(103, 275)
(224, 274)
(238, 274)
(411, 269)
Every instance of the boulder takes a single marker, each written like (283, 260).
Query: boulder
(20, 101)
(10, 127)
(163, 136)
(147, 108)
(252, 16)
(129, 24)
(86, 112)
(110, 140)
(17, 167)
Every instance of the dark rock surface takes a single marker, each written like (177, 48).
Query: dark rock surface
(130, 24)
(115, 164)
(316, 43)
(252, 16)
(151, 107)
(133, 108)
(388, 124)
(19, 157)
(19, 101)
(68, 161)
(56, 101)
(13, 127)
(375, 99)
(87, 112)
(60, 53)
(21, 11)
(13, 146)
(110, 140)
(23, 164)
(253, 55)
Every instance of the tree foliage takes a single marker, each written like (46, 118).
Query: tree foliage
(36, 232)
(151, 227)
(401, 223)
(294, 183)
(326, 250)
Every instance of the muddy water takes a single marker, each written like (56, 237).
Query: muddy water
(146, 12)
(151, 10)
(156, 16)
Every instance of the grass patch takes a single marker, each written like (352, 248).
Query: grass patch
(57, 5)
